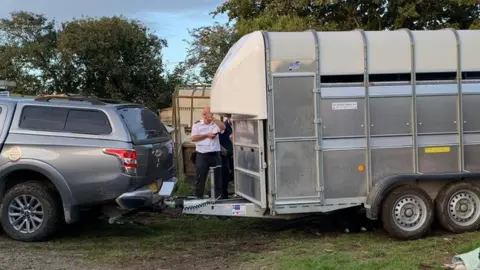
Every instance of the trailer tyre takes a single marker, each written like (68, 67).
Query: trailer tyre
(407, 213)
(458, 207)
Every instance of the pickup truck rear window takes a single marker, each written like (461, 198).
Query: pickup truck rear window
(57, 119)
(143, 125)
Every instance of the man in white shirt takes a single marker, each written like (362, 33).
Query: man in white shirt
(207, 145)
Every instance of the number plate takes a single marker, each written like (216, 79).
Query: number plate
(153, 187)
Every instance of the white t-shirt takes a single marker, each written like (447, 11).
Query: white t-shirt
(206, 145)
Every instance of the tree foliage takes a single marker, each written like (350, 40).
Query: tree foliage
(106, 57)
(208, 47)
(329, 15)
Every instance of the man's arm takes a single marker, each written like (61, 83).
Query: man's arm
(196, 136)
(219, 124)
(199, 137)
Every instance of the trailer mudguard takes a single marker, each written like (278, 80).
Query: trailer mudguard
(384, 186)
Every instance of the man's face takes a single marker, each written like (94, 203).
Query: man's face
(207, 115)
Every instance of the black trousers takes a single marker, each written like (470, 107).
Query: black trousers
(227, 168)
(203, 163)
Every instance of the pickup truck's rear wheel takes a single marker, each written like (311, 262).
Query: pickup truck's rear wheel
(407, 213)
(30, 212)
(458, 207)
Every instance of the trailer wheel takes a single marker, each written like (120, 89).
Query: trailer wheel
(458, 207)
(407, 213)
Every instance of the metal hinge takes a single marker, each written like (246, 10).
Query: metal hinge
(272, 148)
(317, 91)
(270, 128)
(320, 189)
(318, 148)
(264, 165)
(318, 121)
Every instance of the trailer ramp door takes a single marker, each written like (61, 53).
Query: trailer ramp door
(249, 161)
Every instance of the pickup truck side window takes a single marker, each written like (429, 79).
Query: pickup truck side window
(88, 122)
(43, 118)
(57, 119)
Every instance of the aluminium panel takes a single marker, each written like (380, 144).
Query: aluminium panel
(437, 114)
(248, 151)
(247, 158)
(391, 161)
(343, 117)
(294, 106)
(444, 160)
(472, 158)
(249, 185)
(390, 115)
(246, 132)
(342, 177)
(296, 170)
(471, 122)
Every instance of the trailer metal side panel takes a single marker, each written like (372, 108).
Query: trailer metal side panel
(249, 160)
(329, 142)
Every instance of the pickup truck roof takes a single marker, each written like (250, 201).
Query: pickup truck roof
(71, 101)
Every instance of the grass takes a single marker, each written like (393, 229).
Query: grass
(185, 188)
(171, 241)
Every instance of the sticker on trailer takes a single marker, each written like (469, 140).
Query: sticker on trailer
(337, 106)
(432, 150)
(238, 210)
(294, 66)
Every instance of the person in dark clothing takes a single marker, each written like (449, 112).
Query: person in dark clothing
(226, 143)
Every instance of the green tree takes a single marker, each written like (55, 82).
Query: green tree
(208, 47)
(115, 58)
(28, 52)
(106, 57)
(325, 15)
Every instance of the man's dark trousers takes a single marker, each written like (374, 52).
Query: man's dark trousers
(203, 163)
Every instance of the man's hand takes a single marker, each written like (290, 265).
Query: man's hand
(211, 135)
(219, 123)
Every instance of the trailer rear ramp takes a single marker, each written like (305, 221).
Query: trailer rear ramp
(387, 120)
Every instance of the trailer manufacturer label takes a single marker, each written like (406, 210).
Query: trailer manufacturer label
(238, 210)
(337, 106)
(294, 66)
(442, 149)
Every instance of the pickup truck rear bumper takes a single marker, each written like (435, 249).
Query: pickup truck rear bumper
(146, 196)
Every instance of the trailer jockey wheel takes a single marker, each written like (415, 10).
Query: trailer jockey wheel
(407, 213)
(458, 207)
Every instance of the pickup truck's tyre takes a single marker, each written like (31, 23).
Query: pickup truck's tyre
(30, 212)
(458, 207)
(407, 213)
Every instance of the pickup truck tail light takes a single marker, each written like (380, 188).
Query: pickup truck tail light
(127, 157)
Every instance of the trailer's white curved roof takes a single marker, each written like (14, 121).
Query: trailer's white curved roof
(239, 86)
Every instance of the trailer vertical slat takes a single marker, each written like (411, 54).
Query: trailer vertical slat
(414, 102)
(368, 147)
(461, 148)
(318, 120)
(270, 127)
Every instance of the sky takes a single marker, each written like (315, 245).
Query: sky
(169, 19)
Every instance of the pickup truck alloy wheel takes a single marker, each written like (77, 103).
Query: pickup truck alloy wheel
(458, 207)
(30, 211)
(25, 213)
(407, 212)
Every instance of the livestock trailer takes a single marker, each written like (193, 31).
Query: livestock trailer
(384, 120)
